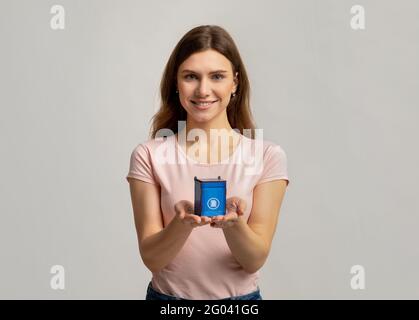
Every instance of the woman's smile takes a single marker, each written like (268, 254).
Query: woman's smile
(201, 105)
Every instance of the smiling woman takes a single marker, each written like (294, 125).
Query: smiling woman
(205, 66)
(193, 256)
(201, 89)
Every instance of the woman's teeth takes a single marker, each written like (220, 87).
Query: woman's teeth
(203, 104)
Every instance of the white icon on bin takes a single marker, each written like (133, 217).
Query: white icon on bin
(213, 203)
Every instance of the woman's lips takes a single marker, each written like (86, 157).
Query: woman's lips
(203, 106)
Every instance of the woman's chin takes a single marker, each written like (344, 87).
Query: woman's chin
(198, 114)
(202, 118)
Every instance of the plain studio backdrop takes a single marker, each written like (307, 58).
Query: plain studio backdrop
(342, 102)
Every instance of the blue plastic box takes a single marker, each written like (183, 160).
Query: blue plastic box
(210, 197)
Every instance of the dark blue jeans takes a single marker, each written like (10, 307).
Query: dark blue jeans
(155, 295)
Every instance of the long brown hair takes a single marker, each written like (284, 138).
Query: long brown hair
(196, 40)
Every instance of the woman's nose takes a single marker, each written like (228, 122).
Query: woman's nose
(203, 89)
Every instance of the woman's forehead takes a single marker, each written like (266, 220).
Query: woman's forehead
(207, 61)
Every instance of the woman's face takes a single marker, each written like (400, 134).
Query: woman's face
(205, 82)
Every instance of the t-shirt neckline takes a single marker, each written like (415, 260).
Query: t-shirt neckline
(223, 162)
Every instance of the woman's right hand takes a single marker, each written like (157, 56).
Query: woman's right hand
(185, 213)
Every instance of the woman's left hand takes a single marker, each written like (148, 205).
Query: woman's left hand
(235, 208)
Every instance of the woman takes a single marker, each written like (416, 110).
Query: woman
(202, 257)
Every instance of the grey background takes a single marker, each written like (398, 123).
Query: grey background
(342, 103)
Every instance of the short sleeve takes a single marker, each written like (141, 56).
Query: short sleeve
(274, 165)
(140, 166)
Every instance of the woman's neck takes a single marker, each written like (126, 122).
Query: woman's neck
(209, 139)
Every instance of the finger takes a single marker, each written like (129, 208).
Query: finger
(189, 210)
(189, 221)
(181, 214)
(194, 217)
(220, 224)
(205, 220)
(231, 206)
(230, 223)
(230, 216)
(178, 210)
(236, 204)
(242, 207)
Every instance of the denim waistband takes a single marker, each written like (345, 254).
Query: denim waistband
(152, 294)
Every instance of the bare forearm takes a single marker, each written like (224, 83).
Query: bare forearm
(247, 247)
(159, 249)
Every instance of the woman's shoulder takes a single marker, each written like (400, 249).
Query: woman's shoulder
(262, 145)
(151, 144)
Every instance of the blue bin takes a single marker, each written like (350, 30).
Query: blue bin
(210, 197)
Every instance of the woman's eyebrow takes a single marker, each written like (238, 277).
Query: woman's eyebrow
(216, 71)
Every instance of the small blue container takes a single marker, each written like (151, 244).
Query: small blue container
(210, 197)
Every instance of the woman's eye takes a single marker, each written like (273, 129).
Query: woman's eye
(216, 76)
(220, 76)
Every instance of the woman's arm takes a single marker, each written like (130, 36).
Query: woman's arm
(159, 249)
(158, 246)
(250, 242)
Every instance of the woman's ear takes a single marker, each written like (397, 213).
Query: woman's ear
(236, 81)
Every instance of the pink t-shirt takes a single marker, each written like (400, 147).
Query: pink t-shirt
(205, 268)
